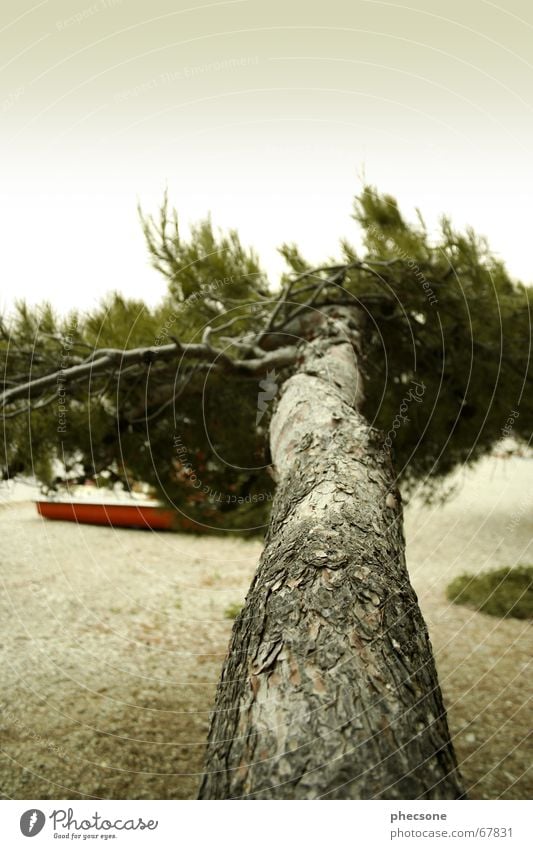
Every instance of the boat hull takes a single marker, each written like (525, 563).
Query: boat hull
(114, 515)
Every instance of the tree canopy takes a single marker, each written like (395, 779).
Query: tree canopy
(446, 344)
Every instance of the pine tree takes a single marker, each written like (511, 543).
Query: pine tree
(383, 369)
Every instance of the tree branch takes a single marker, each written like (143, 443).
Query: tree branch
(110, 359)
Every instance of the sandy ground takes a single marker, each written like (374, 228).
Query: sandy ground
(111, 644)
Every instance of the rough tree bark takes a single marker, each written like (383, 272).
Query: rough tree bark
(330, 689)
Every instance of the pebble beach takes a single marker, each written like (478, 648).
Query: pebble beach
(112, 641)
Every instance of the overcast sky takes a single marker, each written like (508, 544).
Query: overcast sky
(263, 113)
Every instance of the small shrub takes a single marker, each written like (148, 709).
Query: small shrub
(232, 611)
(499, 592)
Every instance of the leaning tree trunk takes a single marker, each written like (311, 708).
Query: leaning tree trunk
(330, 689)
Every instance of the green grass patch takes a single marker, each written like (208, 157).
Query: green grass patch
(232, 611)
(499, 592)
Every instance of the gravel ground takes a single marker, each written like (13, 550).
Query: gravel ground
(111, 644)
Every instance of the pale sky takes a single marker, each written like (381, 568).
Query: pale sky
(263, 113)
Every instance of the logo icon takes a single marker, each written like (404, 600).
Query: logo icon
(270, 388)
(32, 822)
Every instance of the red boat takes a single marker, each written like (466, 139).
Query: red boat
(117, 514)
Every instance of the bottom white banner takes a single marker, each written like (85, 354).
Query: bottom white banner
(262, 824)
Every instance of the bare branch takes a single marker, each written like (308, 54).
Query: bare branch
(337, 272)
(110, 360)
(335, 280)
(30, 408)
(100, 362)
